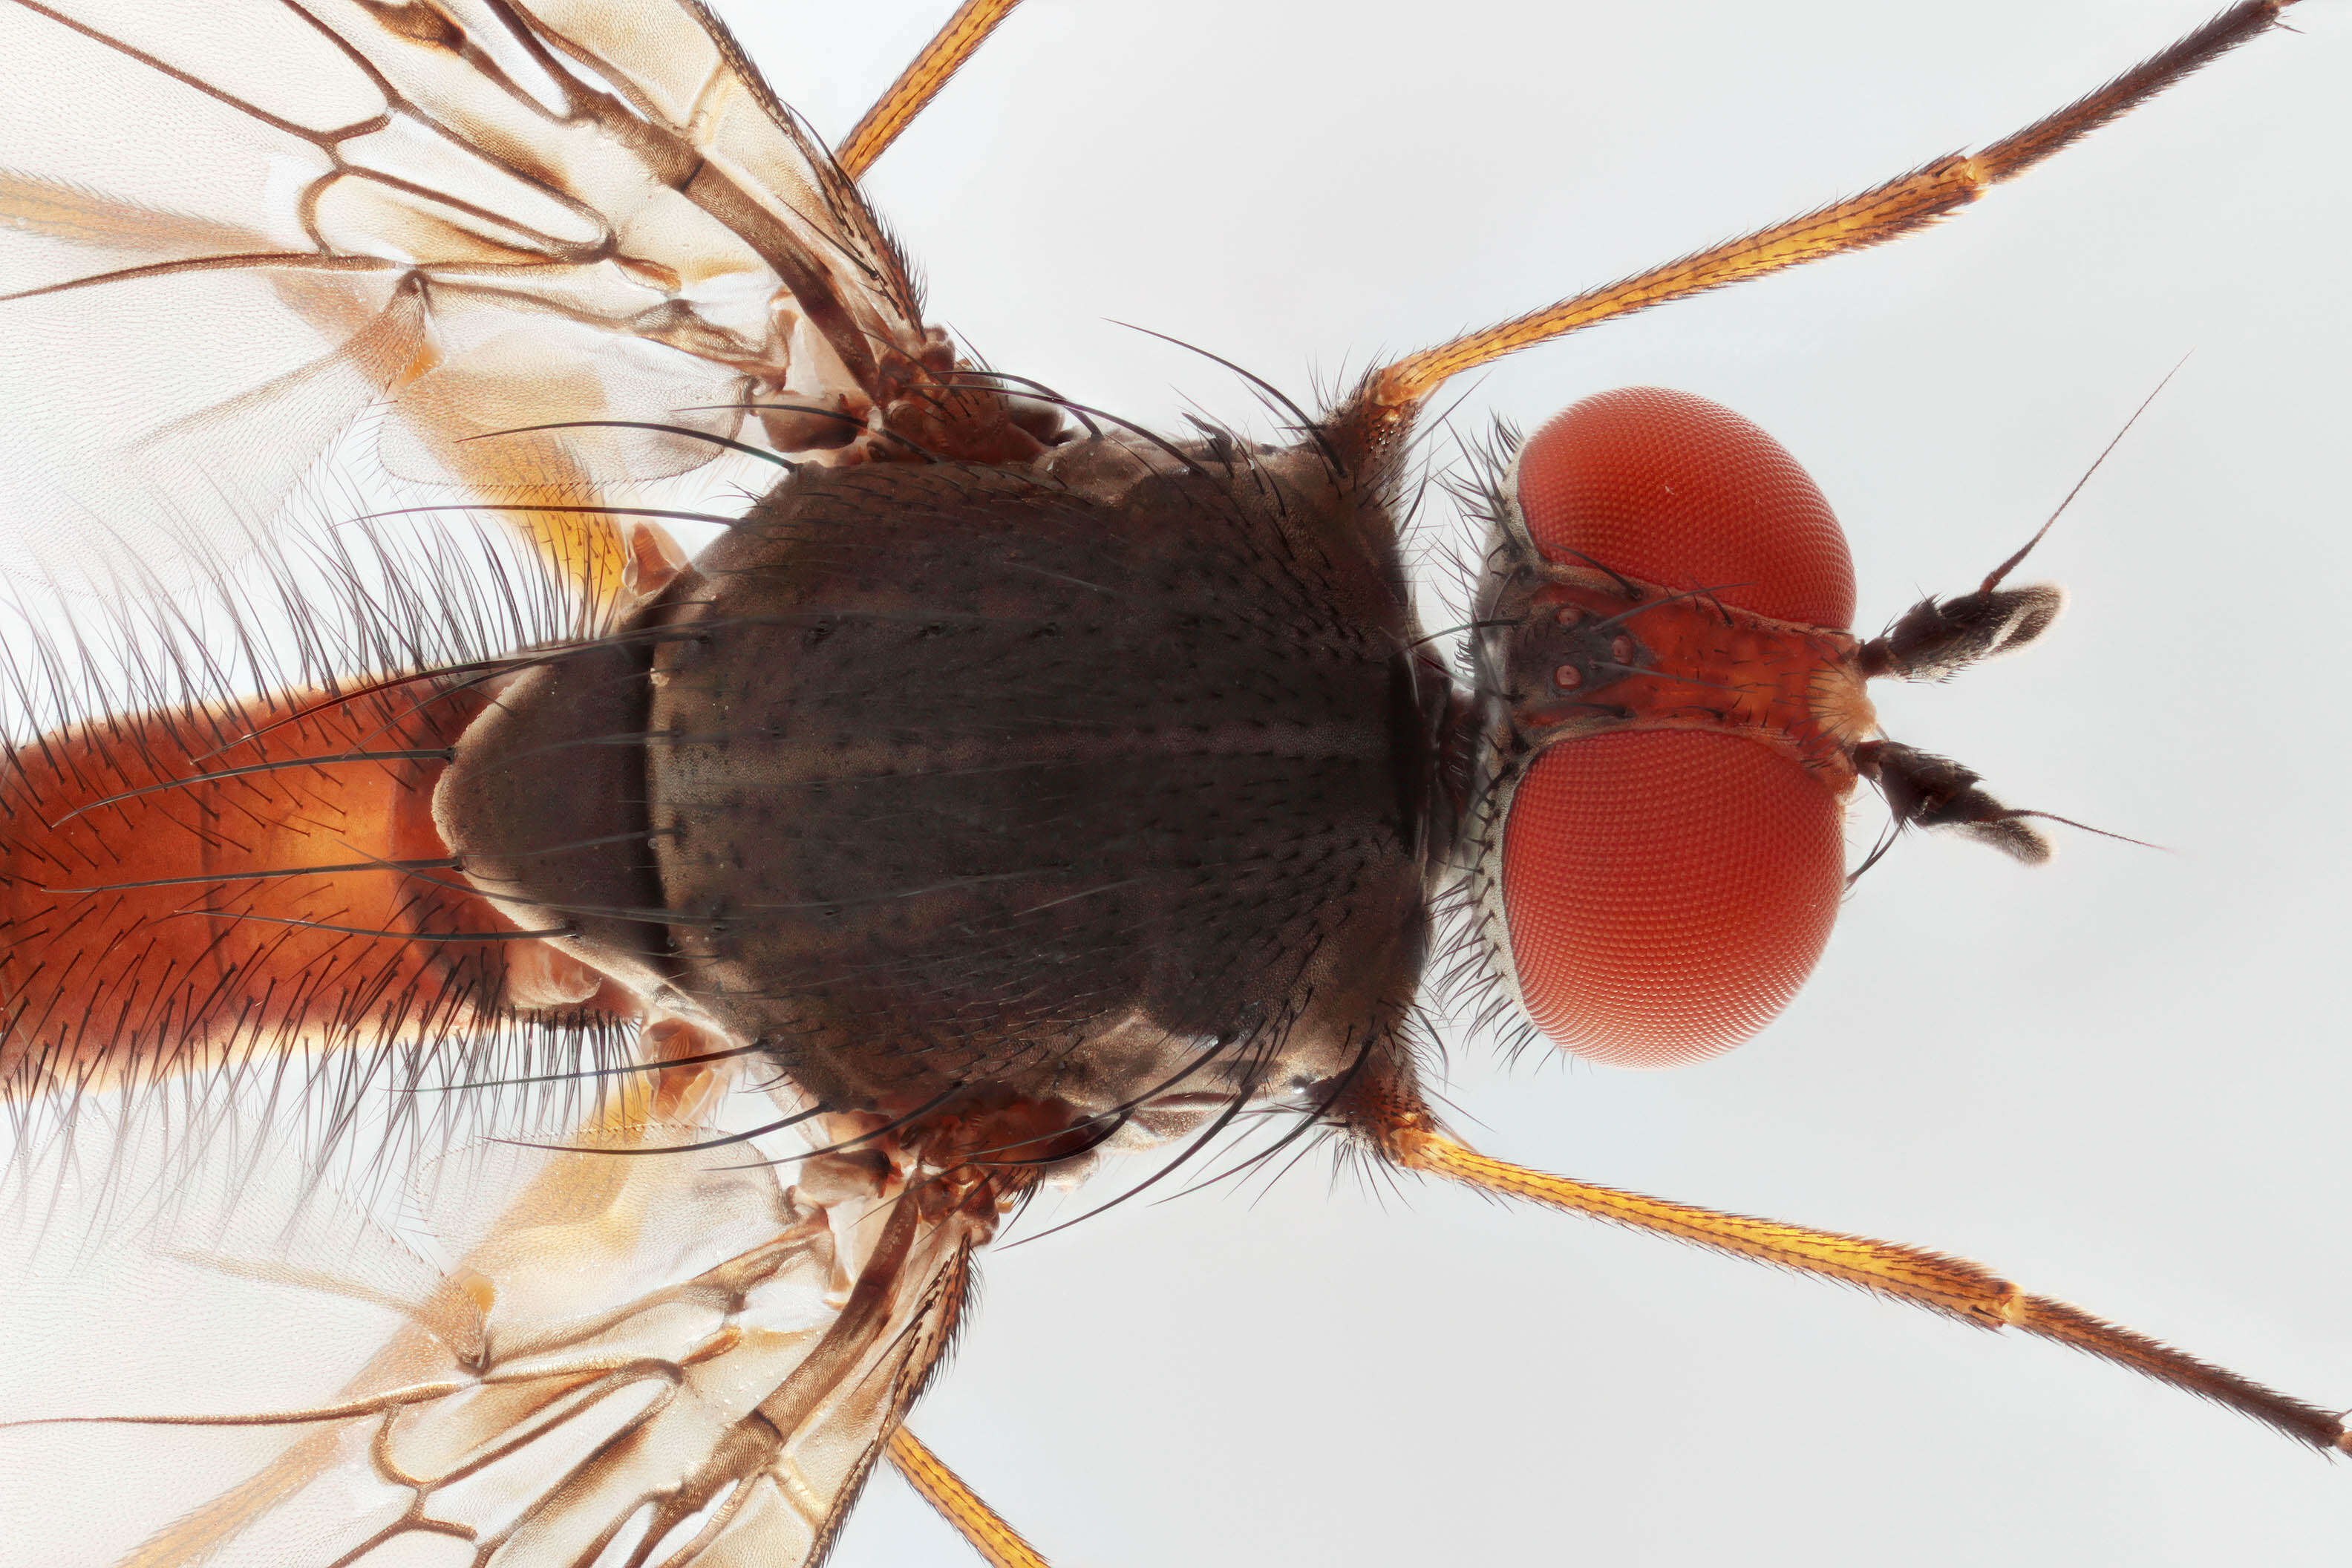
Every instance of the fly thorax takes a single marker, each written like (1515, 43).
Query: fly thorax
(962, 775)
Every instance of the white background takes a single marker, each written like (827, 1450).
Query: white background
(2123, 1079)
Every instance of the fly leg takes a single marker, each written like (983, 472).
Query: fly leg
(998, 1543)
(1385, 408)
(956, 42)
(1392, 1120)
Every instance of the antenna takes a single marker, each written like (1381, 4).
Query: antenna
(2006, 567)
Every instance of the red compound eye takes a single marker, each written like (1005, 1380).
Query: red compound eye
(1681, 492)
(1666, 890)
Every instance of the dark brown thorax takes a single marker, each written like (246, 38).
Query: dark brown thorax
(1099, 780)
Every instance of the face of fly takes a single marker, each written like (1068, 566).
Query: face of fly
(2108, 1076)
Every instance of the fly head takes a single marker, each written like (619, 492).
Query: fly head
(1668, 716)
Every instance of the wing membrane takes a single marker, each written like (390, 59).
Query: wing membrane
(672, 1356)
(231, 226)
(270, 261)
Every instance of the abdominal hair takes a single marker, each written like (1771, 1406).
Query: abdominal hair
(337, 608)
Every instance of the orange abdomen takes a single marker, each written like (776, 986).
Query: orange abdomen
(188, 889)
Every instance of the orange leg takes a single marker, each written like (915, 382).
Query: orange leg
(1383, 410)
(1404, 1131)
(920, 82)
(997, 1543)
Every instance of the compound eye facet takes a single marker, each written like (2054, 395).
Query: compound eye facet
(1675, 490)
(1665, 892)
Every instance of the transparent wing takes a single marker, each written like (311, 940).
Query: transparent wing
(229, 229)
(541, 1359)
(404, 1330)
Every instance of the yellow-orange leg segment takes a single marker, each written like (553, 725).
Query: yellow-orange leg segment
(1899, 207)
(189, 890)
(928, 71)
(1952, 1286)
(977, 1523)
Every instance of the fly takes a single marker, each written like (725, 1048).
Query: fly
(727, 920)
